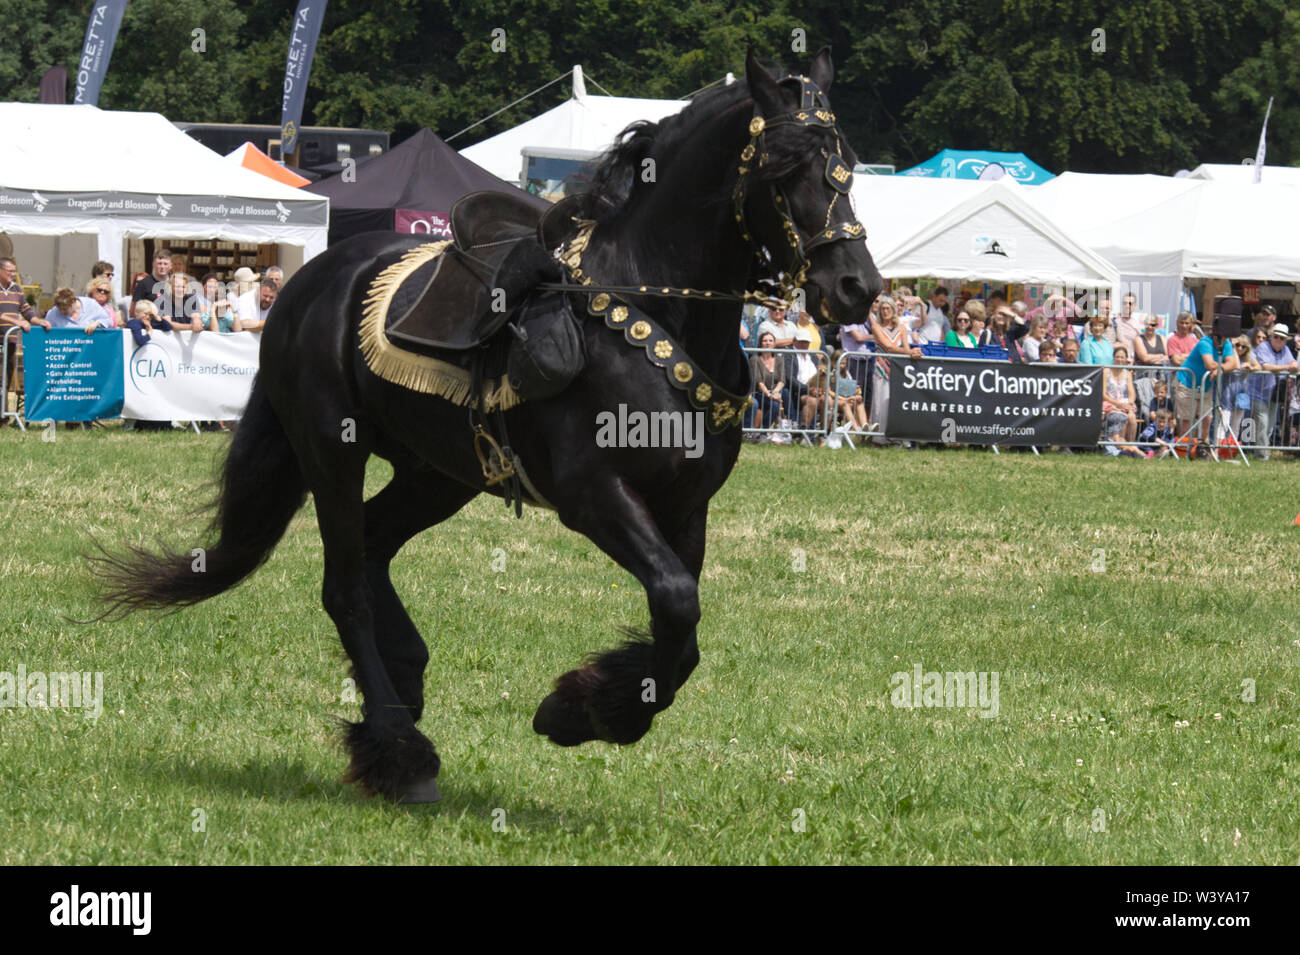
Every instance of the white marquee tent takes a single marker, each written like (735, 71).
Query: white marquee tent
(1225, 172)
(966, 229)
(1159, 230)
(583, 123)
(81, 173)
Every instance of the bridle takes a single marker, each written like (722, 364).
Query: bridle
(813, 110)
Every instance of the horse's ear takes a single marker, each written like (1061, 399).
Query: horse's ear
(761, 86)
(823, 70)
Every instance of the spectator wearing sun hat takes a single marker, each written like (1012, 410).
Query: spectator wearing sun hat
(801, 369)
(1274, 357)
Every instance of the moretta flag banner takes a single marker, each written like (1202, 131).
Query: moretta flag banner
(994, 402)
(101, 34)
(302, 47)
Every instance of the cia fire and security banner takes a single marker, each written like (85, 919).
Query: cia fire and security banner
(189, 376)
(101, 34)
(72, 376)
(302, 47)
(959, 402)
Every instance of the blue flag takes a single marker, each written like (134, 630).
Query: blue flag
(302, 47)
(101, 34)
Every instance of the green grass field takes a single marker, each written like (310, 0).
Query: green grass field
(953, 560)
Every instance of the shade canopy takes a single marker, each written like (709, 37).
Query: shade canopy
(410, 188)
(967, 230)
(582, 123)
(975, 163)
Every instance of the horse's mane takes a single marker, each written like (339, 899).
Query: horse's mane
(616, 179)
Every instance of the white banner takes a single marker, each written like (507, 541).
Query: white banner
(189, 376)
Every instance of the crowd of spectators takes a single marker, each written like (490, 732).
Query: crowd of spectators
(1142, 365)
(165, 299)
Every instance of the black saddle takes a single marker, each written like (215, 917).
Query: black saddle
(463, 297)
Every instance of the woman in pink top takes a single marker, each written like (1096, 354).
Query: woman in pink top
(1180, 344)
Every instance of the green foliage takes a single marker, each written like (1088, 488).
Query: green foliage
(1177, 82)
(156, 67)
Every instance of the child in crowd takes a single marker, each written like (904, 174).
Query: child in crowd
(1047, 351)
(852, 410)
(1115, 426)
(144, 319)
(1160, 430)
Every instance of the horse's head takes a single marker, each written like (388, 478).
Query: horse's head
(792, 194)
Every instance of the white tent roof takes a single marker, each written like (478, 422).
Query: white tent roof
(1188, 228)
(79, 169)
(966, 229)
(46, 150)
(587, 123)
(1224, 172)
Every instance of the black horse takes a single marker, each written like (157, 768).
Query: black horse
(748, 179)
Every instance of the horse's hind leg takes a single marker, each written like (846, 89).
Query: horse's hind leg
(389, 755)
(414, 500)
(615, 695)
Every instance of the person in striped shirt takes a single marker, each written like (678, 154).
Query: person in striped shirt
(14, 311)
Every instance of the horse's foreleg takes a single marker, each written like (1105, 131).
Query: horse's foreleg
(414, 500)
(615, 694)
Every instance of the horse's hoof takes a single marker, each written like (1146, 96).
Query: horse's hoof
(426, 790)
(563, 720)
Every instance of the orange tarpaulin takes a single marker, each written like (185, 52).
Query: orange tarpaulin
(250, 157)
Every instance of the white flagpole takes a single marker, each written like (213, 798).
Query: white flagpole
(1259, 153)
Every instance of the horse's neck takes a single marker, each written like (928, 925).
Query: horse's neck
(695, 248)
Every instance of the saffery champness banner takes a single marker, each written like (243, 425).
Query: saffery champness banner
(189, 376)
(302, 47)
(101, 34)
(994, 403)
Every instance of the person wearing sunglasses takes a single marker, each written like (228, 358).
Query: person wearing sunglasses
(100, 291)
(960, 335)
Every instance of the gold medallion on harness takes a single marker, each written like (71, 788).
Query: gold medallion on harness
(663, 348)
(640, 331)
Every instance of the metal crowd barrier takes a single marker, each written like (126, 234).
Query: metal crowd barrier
(793, 414)
(8, 346)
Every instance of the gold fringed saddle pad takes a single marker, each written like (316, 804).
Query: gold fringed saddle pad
(399, 297)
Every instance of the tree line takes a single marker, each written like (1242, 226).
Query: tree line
(1151, 86)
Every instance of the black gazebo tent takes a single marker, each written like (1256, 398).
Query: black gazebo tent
(409, 189)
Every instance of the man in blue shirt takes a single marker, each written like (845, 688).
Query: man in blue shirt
(1273, 355)
(1212, 355)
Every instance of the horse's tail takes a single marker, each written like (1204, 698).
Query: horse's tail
(261, 488)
